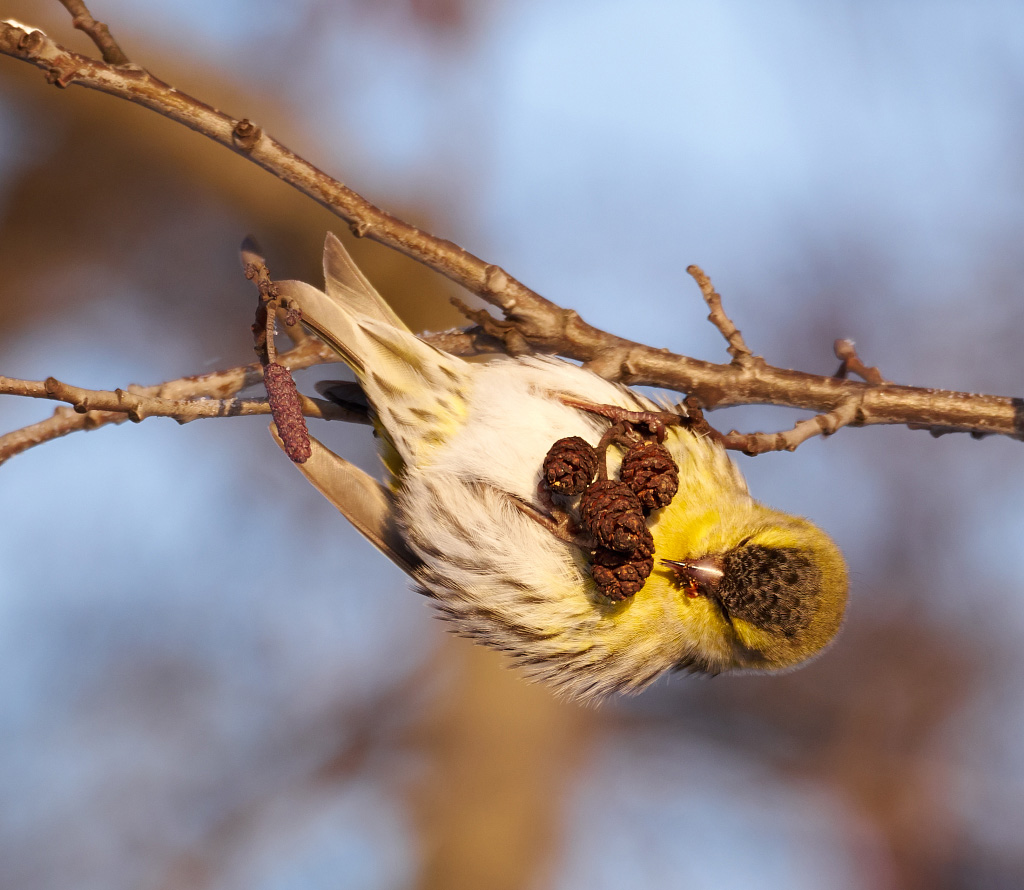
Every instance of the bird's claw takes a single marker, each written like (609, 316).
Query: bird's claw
(555, 519)
(655, 421)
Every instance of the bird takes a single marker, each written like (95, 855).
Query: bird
(733, 584)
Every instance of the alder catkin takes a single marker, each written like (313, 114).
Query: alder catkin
(286, 408)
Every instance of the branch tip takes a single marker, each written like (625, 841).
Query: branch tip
(96, 31)
(846, 352)
(737, 347)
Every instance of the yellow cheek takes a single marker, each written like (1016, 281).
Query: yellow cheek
(770, 652)
(753, 637)
(696, 617)
(677, 533)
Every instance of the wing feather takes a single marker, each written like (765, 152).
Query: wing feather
(360, 498)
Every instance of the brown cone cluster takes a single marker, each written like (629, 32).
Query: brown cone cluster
(570, 466)
(652, 475)
(611, 513)
(614, 511)
(620, 575)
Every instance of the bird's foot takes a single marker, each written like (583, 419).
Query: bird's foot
(555, 519)
(655, 421)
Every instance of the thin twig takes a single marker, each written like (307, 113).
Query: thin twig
(255, 268)
(205, 395)
(820, 425)
(846, 352)
(137, 406)
(97, 32)
(504, 332)
(738, 348)
(185, 392)
(65, 68)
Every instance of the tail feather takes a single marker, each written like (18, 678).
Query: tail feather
(346, 284)
(416, 391)
(329, 320)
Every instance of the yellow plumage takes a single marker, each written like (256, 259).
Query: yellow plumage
(745, 587)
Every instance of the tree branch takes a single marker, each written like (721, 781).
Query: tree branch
(188, 398)
(136, 404)
(532, 322)
(192, 398)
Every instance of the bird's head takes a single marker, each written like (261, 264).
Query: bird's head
(774, 585)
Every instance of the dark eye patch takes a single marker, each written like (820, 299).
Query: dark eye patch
(772, 588)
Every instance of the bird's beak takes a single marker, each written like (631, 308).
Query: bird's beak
(705, 572)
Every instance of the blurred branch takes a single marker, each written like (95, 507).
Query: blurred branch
(531, 322)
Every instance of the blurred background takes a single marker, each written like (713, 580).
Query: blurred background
(208, 680)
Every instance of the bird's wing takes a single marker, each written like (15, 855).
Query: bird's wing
(360, 498)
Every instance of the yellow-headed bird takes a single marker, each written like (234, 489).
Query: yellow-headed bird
(732, 583)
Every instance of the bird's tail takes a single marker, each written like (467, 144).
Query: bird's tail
(416, 391)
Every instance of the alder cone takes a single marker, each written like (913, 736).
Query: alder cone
(570, 465)
(621, 575)
(612, 514)
(651, 474)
